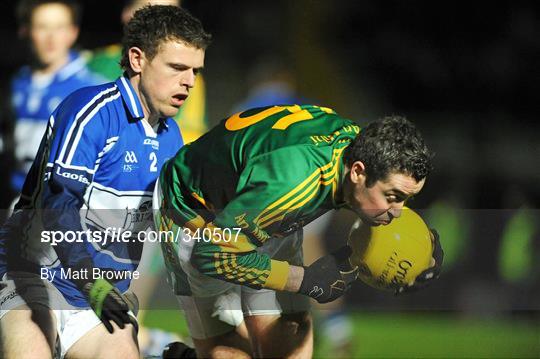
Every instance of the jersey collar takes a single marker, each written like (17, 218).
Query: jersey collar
(130, 97)
(132, 101)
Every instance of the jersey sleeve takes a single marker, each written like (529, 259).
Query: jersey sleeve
(77, 139)
(272, 189)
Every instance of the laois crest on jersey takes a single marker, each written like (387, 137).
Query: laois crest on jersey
(95, 170)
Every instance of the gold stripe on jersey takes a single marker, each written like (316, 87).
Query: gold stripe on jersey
(307, 194)
(306, 190)
(227, 266)
(330, 176)
(195, 223)
(237, 244)
(227, 261)
(241, 275)
(310, 187)
(301, 186)
(298, 188)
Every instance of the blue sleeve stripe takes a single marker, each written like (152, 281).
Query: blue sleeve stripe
(83, 117)
(109, 144)
(80, 113)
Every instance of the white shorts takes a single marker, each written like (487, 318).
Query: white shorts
(211, 316)
(217, 307)
(72, 323)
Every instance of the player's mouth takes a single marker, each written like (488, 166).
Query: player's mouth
(178, 100)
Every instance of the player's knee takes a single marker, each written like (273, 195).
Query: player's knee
(229, 345)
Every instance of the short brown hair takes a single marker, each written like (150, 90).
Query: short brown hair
(153, 24)
(390, 144)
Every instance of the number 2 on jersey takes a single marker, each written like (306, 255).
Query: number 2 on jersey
(153, 165)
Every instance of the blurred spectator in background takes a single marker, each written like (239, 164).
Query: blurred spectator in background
(192, 115)
(271, 83)
(50, 28)
(518, 248)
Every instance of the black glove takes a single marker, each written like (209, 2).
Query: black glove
(177, 350)
(329, 277)
(106, 301)
(426, 277)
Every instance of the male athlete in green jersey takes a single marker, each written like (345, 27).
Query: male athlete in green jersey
(234, 203)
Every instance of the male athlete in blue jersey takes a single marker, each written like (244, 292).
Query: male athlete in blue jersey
(54, 71)
(91, 181)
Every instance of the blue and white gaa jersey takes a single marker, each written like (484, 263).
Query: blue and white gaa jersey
(94, 173)
(34, 97)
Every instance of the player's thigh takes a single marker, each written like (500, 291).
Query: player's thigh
(293, 332)
(21, 324)
(99, 343)
(25, 302)
(278, 317)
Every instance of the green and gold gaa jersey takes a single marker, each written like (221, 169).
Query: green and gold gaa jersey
(260, 173)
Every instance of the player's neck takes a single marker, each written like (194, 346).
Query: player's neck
(150, 116)
(339, 197)
(151, 120)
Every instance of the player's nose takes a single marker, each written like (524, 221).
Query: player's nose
(395, 211)
(188, 79)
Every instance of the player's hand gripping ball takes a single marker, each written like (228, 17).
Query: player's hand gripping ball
(390, 257)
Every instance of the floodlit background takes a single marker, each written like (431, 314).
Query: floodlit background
(466, 74)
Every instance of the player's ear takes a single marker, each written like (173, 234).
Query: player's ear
(358, 172)
(136, 59)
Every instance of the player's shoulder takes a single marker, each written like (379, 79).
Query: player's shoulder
(91, 96)
(90, 103)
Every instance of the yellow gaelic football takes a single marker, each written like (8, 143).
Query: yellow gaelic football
(393, 255)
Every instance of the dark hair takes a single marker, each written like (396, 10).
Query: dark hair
(391, 144)
(25, 8)
(153, 24)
